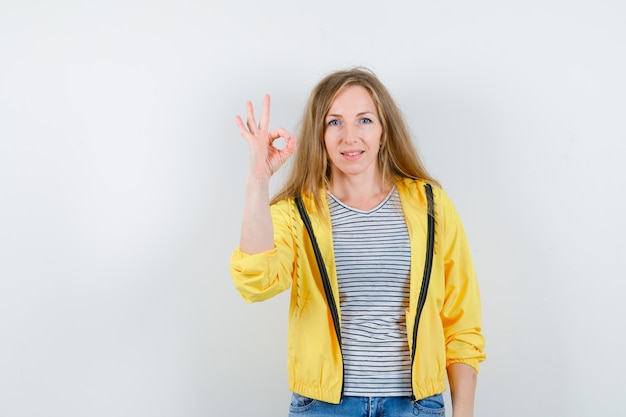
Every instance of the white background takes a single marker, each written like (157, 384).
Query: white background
(122, 174)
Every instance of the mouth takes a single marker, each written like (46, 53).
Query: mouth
(352, 153)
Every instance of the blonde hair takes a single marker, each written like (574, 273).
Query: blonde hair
(397, 157)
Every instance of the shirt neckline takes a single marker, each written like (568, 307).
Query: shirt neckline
(381, 204)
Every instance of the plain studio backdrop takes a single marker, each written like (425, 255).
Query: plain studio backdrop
(122, 181)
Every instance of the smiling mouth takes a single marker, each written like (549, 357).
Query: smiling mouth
(355, 153)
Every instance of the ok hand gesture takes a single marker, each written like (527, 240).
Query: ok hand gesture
(264, 158)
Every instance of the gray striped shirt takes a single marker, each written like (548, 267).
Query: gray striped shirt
(372, 254)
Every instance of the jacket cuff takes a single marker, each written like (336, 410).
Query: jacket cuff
(473, 362)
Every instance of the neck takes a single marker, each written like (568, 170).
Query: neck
(359, 192)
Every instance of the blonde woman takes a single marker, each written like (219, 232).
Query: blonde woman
(384, 300)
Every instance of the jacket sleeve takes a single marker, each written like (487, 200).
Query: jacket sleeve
(263, 275)
(461, 312)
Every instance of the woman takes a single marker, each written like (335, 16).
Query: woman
(384, 300)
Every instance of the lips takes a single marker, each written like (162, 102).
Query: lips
(352, 153)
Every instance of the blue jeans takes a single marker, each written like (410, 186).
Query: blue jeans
(367, 407)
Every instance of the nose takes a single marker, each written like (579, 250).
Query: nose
(350, 134)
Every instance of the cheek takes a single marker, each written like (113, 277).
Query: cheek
(329, 142)
(379, 136)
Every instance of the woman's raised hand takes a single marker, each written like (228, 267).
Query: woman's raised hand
(264, 158)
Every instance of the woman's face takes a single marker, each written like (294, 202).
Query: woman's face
(353, 133)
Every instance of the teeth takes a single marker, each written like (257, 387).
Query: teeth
(352, 153)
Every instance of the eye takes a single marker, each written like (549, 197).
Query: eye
(333, 122)
(366, 121)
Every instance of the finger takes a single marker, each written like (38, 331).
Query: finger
(250, 121)
(240, 125)
(280, 133)
(265, 113)
(290, 146)
(290, 141)
(288, 150)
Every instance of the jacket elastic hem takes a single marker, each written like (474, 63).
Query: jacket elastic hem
(332, 396)
(429, 388)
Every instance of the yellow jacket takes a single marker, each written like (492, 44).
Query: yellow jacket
(450, 323)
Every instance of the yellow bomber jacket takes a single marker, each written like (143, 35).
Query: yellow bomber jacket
(450, 323)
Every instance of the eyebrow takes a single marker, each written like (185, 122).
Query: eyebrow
(358, 114)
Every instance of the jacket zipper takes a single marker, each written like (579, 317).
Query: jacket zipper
(428, 266)
(330, 298)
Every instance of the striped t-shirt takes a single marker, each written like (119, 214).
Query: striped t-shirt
(372, 255)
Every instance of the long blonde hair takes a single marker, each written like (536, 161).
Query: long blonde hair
(397, 157)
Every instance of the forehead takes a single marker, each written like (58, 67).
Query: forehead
(352, 98)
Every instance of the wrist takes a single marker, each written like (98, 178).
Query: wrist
(258, 180)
